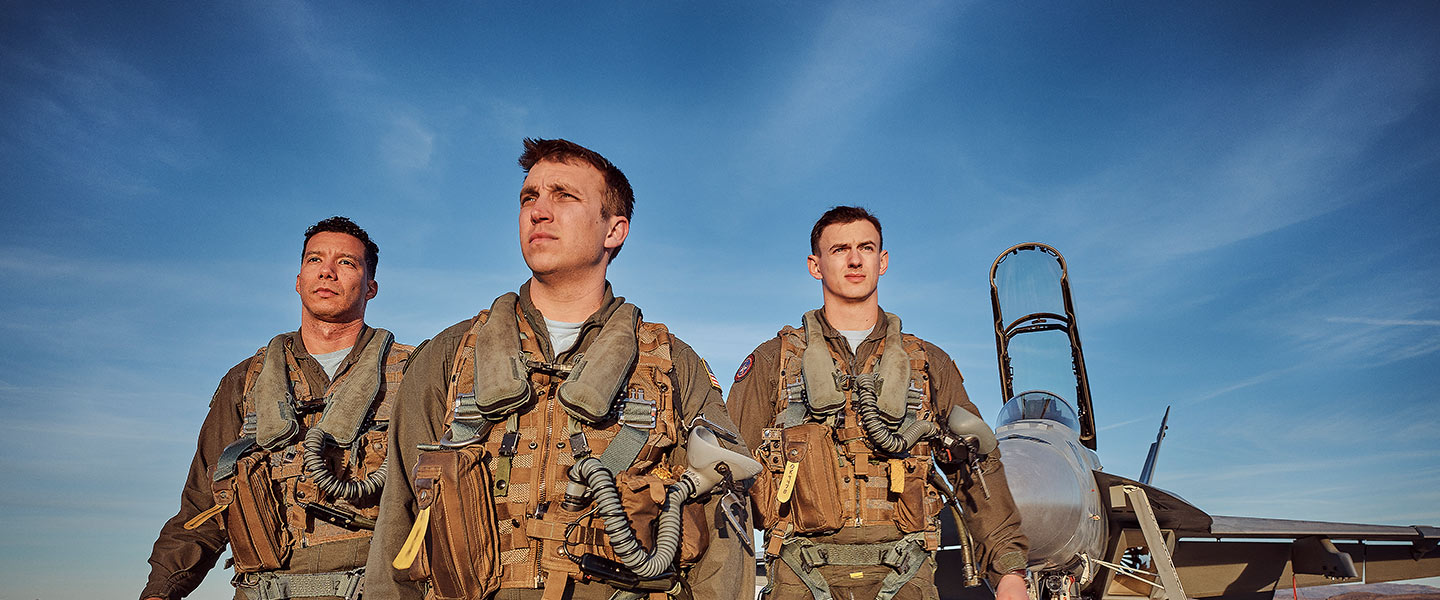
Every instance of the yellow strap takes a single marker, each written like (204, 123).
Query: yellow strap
(897, 476)
(787, 482)
(201, 518)
(411, 549)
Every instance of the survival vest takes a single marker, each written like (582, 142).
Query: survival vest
(819, 457)
(306, 470)
(490, 513)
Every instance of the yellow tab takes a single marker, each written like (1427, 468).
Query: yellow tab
(897, 476)
(411, 549)
(787, 482)
(201, 518)
(857, 575)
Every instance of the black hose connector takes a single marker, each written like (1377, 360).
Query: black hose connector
(352, 490)
(894, 442)
(617, 524)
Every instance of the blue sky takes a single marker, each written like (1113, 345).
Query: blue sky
(1246, 194)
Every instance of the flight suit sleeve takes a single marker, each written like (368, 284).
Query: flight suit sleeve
(726, 571)
(418, 417)
(994, 521)
(181, 558)
(752, 395)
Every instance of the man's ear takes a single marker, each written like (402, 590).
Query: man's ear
(619, 230)
(375, 289)
(884, 261)
(813, 263)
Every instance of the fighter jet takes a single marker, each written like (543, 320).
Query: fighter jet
(1101, 536)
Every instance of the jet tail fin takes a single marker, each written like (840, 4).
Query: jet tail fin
(1148, 471)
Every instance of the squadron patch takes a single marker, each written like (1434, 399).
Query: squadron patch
(744, 368)
(713, 381)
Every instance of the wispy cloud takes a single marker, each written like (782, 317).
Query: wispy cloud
(92, 114)
(861, 51)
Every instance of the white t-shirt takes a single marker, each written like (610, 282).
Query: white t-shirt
(855, 338)
(562, 335)
(331, 360)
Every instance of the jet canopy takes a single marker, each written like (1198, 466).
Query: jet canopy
(1039, 404)
(1036, 340)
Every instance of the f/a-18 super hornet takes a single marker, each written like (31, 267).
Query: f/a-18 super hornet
(1101, 536)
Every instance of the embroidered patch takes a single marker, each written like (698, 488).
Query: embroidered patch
(744, 368)
(713, 381)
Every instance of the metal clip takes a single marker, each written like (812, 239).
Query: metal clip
(843, 382)
(508, 443)
(579, 446)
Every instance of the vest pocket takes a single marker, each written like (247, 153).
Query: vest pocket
(259, 540)
(643, 496)
(461, 552)
(815, 496)
(918, 503)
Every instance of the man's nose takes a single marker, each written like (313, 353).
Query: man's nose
(327, 269)
(540, 209)
(852, 258)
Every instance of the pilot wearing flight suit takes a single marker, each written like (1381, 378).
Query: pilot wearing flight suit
(840, 410)
(488, 444)
(291, 458)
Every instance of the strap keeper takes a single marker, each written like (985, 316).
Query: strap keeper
(508, 443)
(579, 446)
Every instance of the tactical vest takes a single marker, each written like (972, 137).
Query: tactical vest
(505, 528)
(835, 464)
(274, 505)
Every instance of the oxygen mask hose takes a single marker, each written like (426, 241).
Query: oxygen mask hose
(608, 506)
(328, 483)
(911, 430)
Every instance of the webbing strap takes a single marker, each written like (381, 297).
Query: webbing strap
(225, 467)
(621, 453)
(794, 414)
(904, 557)
(281, 586)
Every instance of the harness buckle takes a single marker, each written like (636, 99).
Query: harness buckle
(635, 411)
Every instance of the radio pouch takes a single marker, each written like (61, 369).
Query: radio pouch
(259, 541)
(461, 549)
(809, 489)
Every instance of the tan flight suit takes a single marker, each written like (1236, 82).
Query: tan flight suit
(994, 522)
(724, 571)
(181, 558)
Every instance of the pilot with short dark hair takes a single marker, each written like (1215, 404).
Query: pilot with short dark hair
(840, 410)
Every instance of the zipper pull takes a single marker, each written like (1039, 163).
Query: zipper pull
(411, 549)
(201, 518)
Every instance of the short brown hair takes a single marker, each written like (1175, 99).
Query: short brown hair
(619, 198)
(343, 225)
(841, 215)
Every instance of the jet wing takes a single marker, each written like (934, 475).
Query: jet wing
(1247, 557)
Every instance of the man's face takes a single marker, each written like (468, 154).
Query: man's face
(561, 227)
(850, 261)
(333, 283)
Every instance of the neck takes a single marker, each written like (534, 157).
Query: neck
(568, 300)
(852, 315)
(322, 337)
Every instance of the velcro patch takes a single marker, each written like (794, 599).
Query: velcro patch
(744, 368)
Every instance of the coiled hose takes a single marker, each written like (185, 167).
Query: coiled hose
(617, 524)
(328, 483)
(894, 442)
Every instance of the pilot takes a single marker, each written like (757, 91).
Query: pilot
(498, 411)
(291, 457)
(842, 410)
